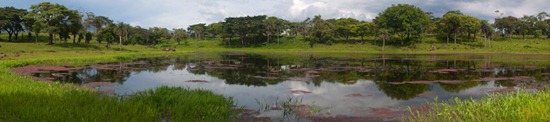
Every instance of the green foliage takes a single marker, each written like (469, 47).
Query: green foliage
(51, 17)
(11, 20)
(345, 26)
(180, 34)
(538, 33)
(403, 19)
(321, 32)
(197, 30)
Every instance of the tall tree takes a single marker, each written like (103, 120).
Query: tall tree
(179, 34)
(384, 34)
(487, 31)
(403, 19)
(12, 21)
(214, 29)
(74, 23)
(98, 22)
(344, 27)
(197, 30)
(362, 28)
(321, 31)
(121, 29)
(507, 25)
(450, 23)
(50, 16)
(471, 25)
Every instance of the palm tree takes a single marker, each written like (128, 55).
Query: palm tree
(487, 30)
(122, 29)
(384, 34)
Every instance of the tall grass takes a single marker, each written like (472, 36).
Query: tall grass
(183, 104)
(520, 106)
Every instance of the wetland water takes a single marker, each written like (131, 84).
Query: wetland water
(320, 87)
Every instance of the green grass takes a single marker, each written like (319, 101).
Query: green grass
(183, 104)
(520, 106)
(24, 99)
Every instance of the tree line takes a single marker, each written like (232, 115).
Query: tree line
(398, 25)
(58, 21)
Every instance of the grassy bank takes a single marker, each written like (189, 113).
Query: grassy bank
(24, 99)
(28, 49)
(521, 106)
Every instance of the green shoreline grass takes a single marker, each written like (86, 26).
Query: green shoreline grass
(520, 106)
(25, 99)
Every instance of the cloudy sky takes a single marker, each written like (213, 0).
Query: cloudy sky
(182, 13)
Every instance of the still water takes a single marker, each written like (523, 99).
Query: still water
(320, 86)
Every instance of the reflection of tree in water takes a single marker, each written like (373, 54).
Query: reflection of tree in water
(402, 91)
(263, 70)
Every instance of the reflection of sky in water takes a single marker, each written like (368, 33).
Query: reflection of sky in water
(333, 98)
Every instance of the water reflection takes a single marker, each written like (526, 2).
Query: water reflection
(378, 87)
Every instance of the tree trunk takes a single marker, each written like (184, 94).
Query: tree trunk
(35, 37)
(267, 38)
(9, 36)
(383, 43)
(362, 35)
(29, 35)
(242, 41)
(475, 36)
(16, 36)
(448, 36)
(51, 39)
(120, 42)
(278, 39)
(468, 36)
(74, 38)
(455, 36)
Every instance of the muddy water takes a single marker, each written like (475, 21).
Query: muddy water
(319, 88)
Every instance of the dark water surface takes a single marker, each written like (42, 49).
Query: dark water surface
(331, 87)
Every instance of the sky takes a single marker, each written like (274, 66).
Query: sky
(182, 13)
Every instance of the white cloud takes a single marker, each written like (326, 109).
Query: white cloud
(181, 13)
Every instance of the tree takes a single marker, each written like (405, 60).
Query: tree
(197, 30)
(384, 34)
(274, 26)
(403, 19)
(49, 16)
(12, 20)
(487, 31)
(450, 23)
(362, 28)
(344, 27)
(108, 34)
(179, 34)
(122, 31)
(214, 29)
(98, 22)
(88, 37)
(471, 25)
(527, 25)
(507, 25)
(321, 31)
(74, 23)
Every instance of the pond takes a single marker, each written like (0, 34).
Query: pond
(311, 87)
